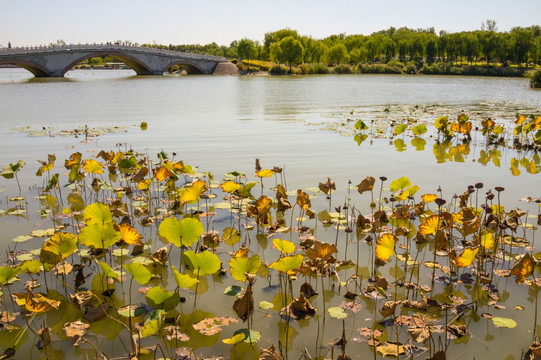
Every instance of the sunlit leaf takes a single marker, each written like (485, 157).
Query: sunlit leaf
(337, 312)
(234, 339)
(184, 280)
(194, 192)
(129, 234)
(99, 236)
(39, 303)
(430, 226)
(7, 274)
(467, 256)
(97, 213)
(91, 166)
(288, 264)
(203, 263)
(427, 198)
(184, 232)
(238, 266)
(408, 192)
(419, 129)
(400, 128)
(284, 246)
(504, 322)
(265, 305)
(524, 268)
(230, 187)
(385, 246)
(487, 240)
(264, 173)
(400, 184)
(139, 272)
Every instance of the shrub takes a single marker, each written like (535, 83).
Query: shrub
(342, 69)
(535, 78)
(313, 69)
(278, 70)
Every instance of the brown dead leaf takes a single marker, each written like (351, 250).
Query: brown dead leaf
(44, 337)
(76, 330)
(391, 349)
(81, 298)
(270, 354)
(244, 304)
(93, 313)
(299, 308)
(308, 290)
(173, 332)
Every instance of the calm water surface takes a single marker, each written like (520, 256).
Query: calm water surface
(223, 123)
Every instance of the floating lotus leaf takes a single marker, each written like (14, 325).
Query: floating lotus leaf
(467, 256)
(391, 349)
(97, 213)
(159, 298)
(250, 335)
(385, 246)
(504, 322)
(184, 280)
(284, 246)
(265, 305)
(203, 263)
(288, 264)
(337, 312)
(239, 266)
(184, 232)
(139, 272)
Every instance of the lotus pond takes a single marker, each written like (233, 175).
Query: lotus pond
(245, 218)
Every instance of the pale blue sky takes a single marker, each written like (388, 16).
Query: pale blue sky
(35, 22)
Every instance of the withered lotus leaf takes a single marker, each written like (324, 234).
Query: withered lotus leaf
(366, 185)
(163, 173)
(76, 330)
(244, 304)
(39, 303)
(129, 234)
(524, 268)
(391, 349)
(430, 226)
(327, 186)
(270, 353)
(299, 308)
(388, 308)
(303, 200)
(466, 258)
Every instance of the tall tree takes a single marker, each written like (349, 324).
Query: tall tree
(288, 50)
(246, 49)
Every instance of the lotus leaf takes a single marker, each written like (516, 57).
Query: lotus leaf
(159, 298)
(288, 264)
(203, 263)
(184, 232)
(385, 246)
(184, 280)
(139, 272)
(239, 266)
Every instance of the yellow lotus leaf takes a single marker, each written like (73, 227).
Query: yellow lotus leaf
(366, 185)
(284, 246)
(467, 256)
(74, 160)
(116, 157)
(129, 234)
(39, 303)
(537, 123)
(91, 166)
(520, 119)
(303, 200)
(144, 185)
(430, 226)
(385, 246)
(487, 240)
(524, 268)
(230, 187)
(264, 173)
(194, 192)
(408, 192)
(163, 173)
(429, 197)
(19, 298)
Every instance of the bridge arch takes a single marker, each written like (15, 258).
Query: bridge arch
(137, 65)
(189, 66)
(36, 69)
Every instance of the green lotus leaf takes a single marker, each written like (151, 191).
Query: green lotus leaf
(7, 274)
(184, 232)
(419, 129)
(31, 266)
(10, 170)
(107, 271)
(204, 263)
(230, 236)
(399, 184)
(184, 280)
(159, 298)
(337, 312)
(288, 264)
(150, 328)
(400, 128)
(245, 191)
(97, 213)
(251, 336)
(139, 272)
(360, 125)
(239, 266)
(22, 238)
(504, 322)
(265, 305)
(62, 243)
(99, 236)
(232, 290)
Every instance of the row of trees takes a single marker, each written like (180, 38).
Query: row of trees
(520, 46)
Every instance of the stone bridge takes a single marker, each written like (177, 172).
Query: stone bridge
(55, 61)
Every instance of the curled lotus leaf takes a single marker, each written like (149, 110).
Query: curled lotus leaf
(139, 272)
(385, 246)
(524, 268)
(466, 258)
(193, 193)
(366, 185)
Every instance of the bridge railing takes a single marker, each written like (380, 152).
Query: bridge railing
(41, 49)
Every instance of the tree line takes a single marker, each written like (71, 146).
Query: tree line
(520, 46)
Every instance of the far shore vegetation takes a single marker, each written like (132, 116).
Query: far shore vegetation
(484, 52)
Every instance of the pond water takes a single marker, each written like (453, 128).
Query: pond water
(304, 124)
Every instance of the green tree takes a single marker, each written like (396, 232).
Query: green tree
(338, 53)
(246, 49)
(275, 37)
(288, 50)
